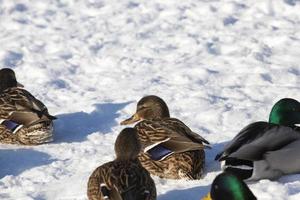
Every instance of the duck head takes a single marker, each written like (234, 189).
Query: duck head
(127, 145)
(228, 186)
(149, 107)
(8, 79)
(285, 112)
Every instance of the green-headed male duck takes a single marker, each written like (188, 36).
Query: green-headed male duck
(266, 150)
(170, 148)
(23, 118)
(227, 186)
(124, 178)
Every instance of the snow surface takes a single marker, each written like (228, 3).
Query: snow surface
(219, 64)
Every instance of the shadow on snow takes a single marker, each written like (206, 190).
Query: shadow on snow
(194, 193)
(15, 161)
(74, 127)
(210, 154)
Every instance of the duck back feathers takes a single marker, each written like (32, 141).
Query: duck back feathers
(125, 179)
(20, 107)
(171, 149)
(257, 138)
(171, 132)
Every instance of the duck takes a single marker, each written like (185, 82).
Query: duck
(227, 186)
(24, 120)
(170, 149)
(123, 178)
(266, 150)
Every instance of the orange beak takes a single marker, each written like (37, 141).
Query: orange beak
(131, 120)
(207, 197)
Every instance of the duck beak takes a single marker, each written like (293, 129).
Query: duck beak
(207, 197)
(131, 120)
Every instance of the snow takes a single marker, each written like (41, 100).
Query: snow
(219, 65)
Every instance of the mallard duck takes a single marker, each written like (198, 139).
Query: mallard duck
(124, 178)
(23, 118)
(170, 148)
(266, 150)
(227, 186)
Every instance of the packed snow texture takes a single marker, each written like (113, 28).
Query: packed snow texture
(219, 65)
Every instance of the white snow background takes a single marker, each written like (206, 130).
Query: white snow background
(219, 65)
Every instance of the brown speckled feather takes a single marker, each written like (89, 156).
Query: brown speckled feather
(121, 177)
(187, 165)
(188, 158)
(151, 131)
(18, 99)
(21, 103)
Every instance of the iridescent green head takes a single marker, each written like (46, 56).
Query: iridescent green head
(285, 112)
(227, 186)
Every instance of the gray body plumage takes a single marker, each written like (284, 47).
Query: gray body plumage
(274, 149)
(277, 163)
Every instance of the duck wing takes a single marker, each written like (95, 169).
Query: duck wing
(183, 130)
(24, 108)
(162, 138)
(274, 164)
(257, 138)
(99, 184)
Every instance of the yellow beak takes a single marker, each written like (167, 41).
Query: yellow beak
(207, 197)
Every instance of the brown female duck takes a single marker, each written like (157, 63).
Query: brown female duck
(170, 148)
(124, 178)
(23, 118)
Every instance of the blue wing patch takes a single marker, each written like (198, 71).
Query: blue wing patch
(13, 126)
(159, 152)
